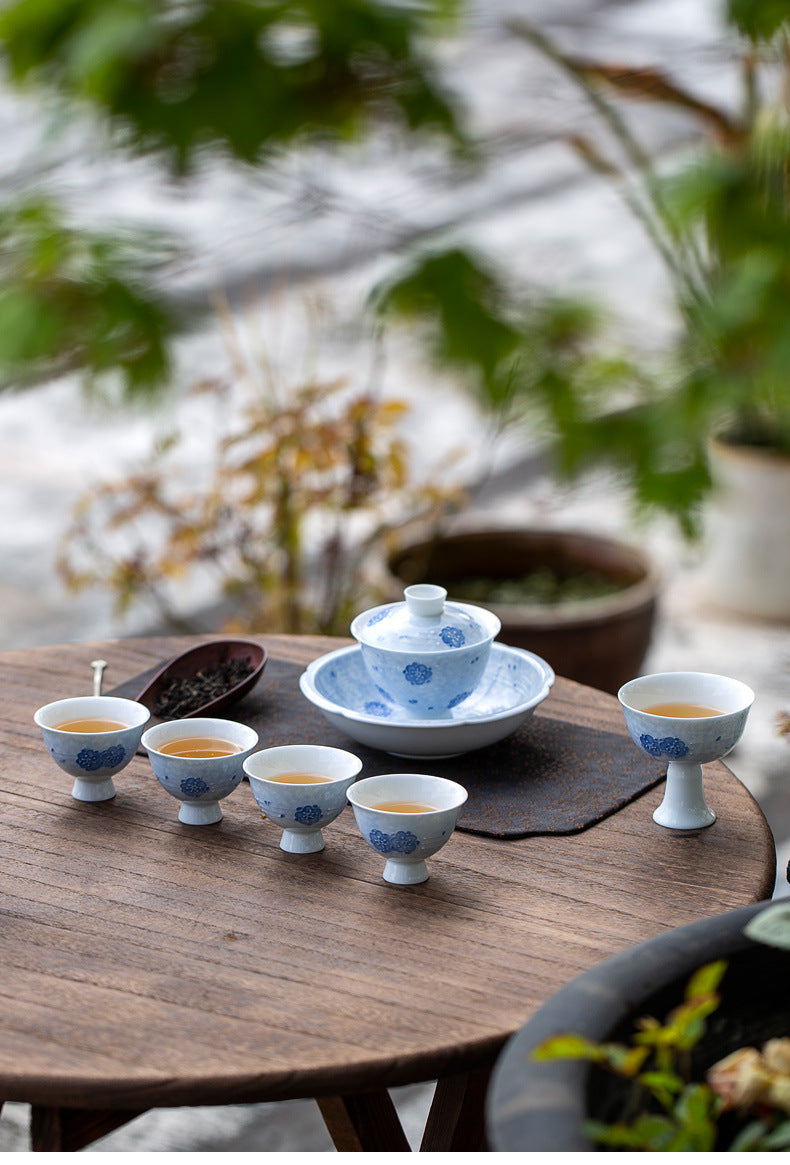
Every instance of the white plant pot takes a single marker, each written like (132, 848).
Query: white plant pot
(748, 531)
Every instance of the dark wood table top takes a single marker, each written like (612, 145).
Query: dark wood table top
(147, 963)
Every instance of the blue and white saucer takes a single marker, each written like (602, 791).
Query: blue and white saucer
(514, 683)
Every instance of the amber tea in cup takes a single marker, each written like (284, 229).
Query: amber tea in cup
(406, 818)
(199, 746)
(95, 724)
(683, 710)
(405, 807)
(300, 778)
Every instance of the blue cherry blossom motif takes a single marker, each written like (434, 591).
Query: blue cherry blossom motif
(402, 842)
(417, 673)
(675, 747)
(377, 617)
(376, 708)
(308, 814)
(194, 787)
(650, 744)
(91, 759)
(671, 746)
(456, 700)
(452, 636)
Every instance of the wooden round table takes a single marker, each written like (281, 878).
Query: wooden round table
(147, 963)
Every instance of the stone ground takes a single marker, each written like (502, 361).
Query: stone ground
(332, 229)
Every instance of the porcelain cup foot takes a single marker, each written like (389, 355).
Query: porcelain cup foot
(205, 813)
(405, 873)
(302, 843)
(101, 789)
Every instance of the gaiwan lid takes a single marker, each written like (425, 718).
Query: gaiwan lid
(425, 622)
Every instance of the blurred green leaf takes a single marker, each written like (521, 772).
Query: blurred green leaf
(466, 316)
(706, 979)
(771, 926)
(646, 1132)
(758, 19)
(70, 299)
(778, 1140)
(177, 76)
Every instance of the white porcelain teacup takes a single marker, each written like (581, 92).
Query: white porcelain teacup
(196, 774)
(686, 718)
(301, 788)
(406, 817)
(102, 736)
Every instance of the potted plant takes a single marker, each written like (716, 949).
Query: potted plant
(595, 1067)
(297, 487)
(584, 602)
(717, 404)
(720, 225)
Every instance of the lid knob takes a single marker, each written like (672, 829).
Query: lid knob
(425, 600)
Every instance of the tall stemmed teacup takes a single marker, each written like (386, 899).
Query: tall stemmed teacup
(688, 719)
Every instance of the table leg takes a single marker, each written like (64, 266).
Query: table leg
(456, 1121)
(367, 1123)
(65, 1130)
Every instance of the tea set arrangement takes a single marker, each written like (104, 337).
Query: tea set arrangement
(424, 679)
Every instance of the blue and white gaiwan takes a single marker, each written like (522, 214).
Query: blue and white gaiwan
(426, 654)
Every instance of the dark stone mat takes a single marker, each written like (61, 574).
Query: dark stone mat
(550, 776)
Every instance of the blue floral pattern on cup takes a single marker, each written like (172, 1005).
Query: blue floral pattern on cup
(417, 674)
(452, 636)
(308, 814)
(671, 746)
(194, 787)
(377, 618)
(402, 842)
(459, 699)
(90, 759)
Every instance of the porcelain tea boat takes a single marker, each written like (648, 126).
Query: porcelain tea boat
(514, 683)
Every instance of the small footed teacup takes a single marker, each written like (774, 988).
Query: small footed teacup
(199, 762)
(688, 719)
(92, 738)
(407, 817)
(301, 788)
